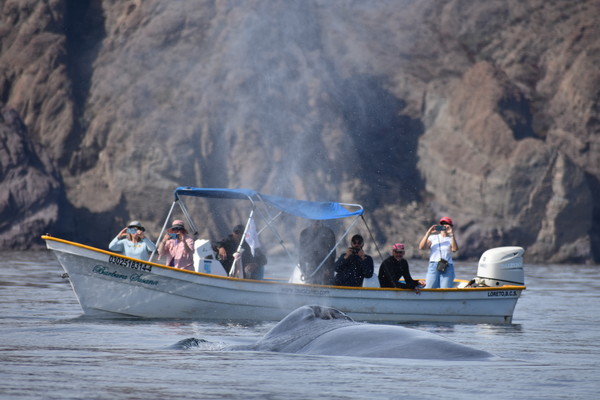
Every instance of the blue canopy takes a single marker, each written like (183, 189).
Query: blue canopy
(305, 209)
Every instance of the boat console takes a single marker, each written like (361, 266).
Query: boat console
(205, 260)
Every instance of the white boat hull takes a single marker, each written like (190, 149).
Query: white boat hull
(108, 284)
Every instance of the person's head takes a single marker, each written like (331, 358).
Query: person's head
(177, 227)
(445, 221)
(136, 225)
(357, 241)
(398, 250)
(238, 230)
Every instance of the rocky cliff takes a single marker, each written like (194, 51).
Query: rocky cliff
(484, 111)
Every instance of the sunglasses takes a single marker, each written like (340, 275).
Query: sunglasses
(399, 251)
(177, 229)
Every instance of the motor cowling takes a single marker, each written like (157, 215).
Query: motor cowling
(501, 266)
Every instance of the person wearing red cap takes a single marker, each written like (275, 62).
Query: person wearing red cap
(440, 241)
(178, 247)
(395, 267)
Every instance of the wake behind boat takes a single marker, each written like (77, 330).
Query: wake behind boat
(109, 284)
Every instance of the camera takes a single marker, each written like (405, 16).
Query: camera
(354, 250)
(440, 228)
(132, 231)
(173, 236)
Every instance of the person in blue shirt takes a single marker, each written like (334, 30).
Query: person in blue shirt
(132, 242)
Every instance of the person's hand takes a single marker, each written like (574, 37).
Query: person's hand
(222, 253)
(449, 230)
(361, 254)
(166, 237)
(431, 229)
(123, 233)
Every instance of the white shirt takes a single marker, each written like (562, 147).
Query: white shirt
(441, 247)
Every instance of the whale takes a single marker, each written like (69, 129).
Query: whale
(326, 331)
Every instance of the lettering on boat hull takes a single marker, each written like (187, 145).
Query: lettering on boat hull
(139, 278)
(503, 293)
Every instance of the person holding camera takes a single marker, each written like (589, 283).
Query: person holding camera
(354, 265)
(178, 247)
(440, 241)
(254, 264)
(132, 242)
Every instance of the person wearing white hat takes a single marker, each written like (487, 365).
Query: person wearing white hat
(132, 242)
(178, 247)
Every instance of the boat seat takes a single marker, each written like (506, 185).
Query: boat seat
(371, 282)
(205, 260)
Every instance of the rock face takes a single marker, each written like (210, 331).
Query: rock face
(30, 196)
(484, 111)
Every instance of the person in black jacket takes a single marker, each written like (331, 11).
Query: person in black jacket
(253, 264)
(395, 267)
(316, 243)
(354, 265)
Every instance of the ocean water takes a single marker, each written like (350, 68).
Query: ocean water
(49, 351)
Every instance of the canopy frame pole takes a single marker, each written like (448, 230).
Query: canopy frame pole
(372, 237)
(268, 222)
(238, 262)
(164, 227)
(185, 212)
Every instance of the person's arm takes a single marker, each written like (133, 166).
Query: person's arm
(188, 244)
(453, 244)
(410, 282)
(116, 244)
(150, 247)
(425, 243)
(385, 279)
(222, 249)
(340, 263)
(368, 267)
(162, 245)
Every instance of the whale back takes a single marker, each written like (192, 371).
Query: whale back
(302, 326)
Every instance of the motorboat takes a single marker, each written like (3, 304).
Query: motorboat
(111, 285)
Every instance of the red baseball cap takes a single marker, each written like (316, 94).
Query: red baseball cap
(446, 220)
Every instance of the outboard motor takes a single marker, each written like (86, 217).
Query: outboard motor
(501, 266)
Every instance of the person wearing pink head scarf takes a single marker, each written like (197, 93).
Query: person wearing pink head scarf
(395, 267)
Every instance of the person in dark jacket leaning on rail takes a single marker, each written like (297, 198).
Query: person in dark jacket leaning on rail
(354, 265)
(395, 267)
